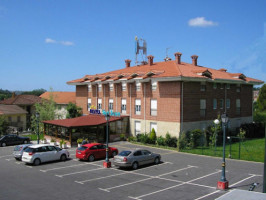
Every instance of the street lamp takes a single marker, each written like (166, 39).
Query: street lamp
(37, 115)
(216, 122)
(107, 163)
(223, 183)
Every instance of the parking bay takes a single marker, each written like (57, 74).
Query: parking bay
(181, 176)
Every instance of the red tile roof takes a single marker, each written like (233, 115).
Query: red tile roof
(60, 97)
(22, 100)
(11, 110)
(87, 120)
(169, 69)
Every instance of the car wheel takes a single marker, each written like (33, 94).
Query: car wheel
(157, 160)
(135, 165)
(3, 144)
(25, 142)
(17, 158)
(36, 162)
(114, 154)
(91, 158)
(63, 157)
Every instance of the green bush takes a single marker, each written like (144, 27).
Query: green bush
(122, 137)
(143, 138)
(133, 139)
(183, 141)
(195, 138)
(160, 141)
(170, 141)
(79, 140)
(152, 136)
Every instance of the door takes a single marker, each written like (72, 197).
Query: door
(52, 153)
(139, 157)
(101, 150)
(147, 157)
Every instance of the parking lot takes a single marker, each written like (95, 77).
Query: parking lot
(178, 176)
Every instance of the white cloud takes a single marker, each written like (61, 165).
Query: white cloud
(49, 40)
(201, 22)
(65, 43)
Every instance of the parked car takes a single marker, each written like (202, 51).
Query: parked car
(18, 150)
(94, 151)
(136, 158)
(13, 140)
(40, 153)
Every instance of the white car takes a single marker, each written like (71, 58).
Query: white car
(40, 153)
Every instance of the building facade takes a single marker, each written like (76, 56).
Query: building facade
(170, 96)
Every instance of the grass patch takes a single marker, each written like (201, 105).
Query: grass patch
(33, 137)
(250, 150)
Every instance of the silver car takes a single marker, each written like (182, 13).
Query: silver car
(40, 153)
(18, 150)
(136, 158)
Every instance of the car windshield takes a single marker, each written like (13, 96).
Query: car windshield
(124, 153)
(82, 148)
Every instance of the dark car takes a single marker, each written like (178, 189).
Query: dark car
(93, 151)
(136, 158)
(13, 140)
(18, 150)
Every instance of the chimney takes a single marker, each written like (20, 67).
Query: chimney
(150, 59)
(194, 60)
(178, 57)
(127, 61)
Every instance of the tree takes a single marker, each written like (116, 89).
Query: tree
(73, 110)
(3, 125)
(46, 110)
(262, 99)
(36, 92)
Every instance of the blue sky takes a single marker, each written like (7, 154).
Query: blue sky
(44, 44)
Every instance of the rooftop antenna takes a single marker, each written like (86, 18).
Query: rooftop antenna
(167, 58)
(140, 50)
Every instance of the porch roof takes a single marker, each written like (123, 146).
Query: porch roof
(87, 120)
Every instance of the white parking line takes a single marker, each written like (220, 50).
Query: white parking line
(46, 170)
(150, 177)
(78, 172)
(5, 156)
(208, 195)
(251, 175)
(82, 182)
(9, 159)
(139, 197)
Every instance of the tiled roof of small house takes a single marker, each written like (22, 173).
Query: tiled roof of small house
(87, 120)
(22, 100)
(60, 97)
(168, 69)
(11, 110)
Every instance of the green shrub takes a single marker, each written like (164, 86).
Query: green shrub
(143, 138)
(196, 138)
(122, 137)
(79, 140)
(160, 141)
(152, 136)
(133, 139)
(183, 141)
(170, 141)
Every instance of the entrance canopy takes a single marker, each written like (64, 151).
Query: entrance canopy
(87, 120)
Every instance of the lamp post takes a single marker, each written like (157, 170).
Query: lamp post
(37, 115)
(216, 122)
(223, 183)
(107, 163)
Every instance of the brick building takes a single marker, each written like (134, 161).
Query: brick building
(170, 96)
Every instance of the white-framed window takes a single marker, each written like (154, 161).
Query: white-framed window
(202, 107)
(89, 88)
(238, 106)
(111, 104)
(124, 86)
(227, 86)
(153, 85)
(137, 127)
(89, 103)
(221, 104)
(215, 86)
(138, 85)
(111, 86)
(202, 86)
(99, 87)
(153, 107)
(153, 125)
(124, 106)
(214, 104)
(99, 105)
(228, 103)
(137, 106)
